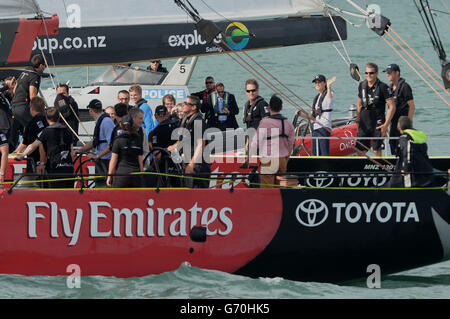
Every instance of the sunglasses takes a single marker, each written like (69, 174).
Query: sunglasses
(251, 91)
(212, 82)
(371, 73)
(191, 104)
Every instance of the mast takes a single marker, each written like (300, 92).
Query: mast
(426, 14)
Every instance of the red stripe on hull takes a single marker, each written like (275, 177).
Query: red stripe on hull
(26, 33)
(39, 234)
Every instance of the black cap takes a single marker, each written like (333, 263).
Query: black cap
(95, 104)
(320, 78)
(392, 67)
(161, 110)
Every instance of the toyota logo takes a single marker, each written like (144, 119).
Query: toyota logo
(311, 212)
(320, 179)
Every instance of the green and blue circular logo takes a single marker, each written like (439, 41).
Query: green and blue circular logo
(237, 35)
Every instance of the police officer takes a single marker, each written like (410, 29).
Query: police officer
(371, 108)
(221, 109)
(404, 101)
(210, 86)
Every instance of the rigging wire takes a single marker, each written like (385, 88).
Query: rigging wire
(276, 89)
(431, 29)
(342, 56)
(434, 38)
(415, 53)
(340, 38)
(420, 65)
(414, 69)
(41, 16)
(301, 109)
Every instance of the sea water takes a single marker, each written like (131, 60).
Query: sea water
(295, 67)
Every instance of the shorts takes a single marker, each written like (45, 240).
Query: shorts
(271, 166)
(377, 144)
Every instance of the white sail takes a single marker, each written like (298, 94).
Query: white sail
(14, 8)
(87, 13)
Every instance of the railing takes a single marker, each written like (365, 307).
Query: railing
(247, 179)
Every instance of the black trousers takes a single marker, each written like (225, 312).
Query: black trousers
(200, 177)
(22, 114)
(68, 171)
(101, 168)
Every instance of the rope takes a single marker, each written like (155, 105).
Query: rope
(53, 82)
(296, 105)
(415, 70)
(413, 51)
(340, 38)
(420, 65)
(71, 129)
(342, 56)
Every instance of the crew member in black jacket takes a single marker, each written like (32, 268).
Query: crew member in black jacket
(413, 168)
(403, 99)
(221, 109)
(55, 148)
(68, 108)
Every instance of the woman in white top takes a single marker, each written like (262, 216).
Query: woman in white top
(322, 107)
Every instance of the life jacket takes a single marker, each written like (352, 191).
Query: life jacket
(215, 102)
(417, 136)
(283, 133)
(317, 110)
(133, 141)
(365, 95)
(96, 141)
(194, 117)
(248, 111)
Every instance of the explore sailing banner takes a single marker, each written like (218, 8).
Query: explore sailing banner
(132, 43)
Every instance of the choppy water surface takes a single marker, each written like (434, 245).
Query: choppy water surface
(192, 282)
